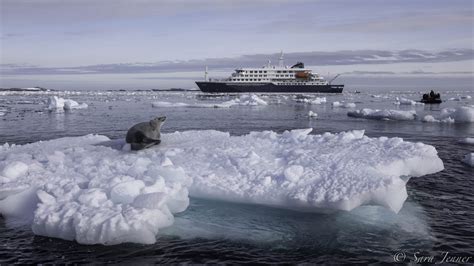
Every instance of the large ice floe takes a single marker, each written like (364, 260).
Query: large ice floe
(246, 100)
(56, 103)
(376, 114)
(93, 190)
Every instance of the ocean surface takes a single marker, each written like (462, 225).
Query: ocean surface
(435, 221)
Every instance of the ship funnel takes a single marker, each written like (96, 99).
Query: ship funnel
(205, 74)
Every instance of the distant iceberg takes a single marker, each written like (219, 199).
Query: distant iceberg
(56, 103)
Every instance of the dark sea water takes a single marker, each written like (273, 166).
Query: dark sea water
(437, 218)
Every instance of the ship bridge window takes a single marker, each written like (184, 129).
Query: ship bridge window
(278, 71)
(260, 71)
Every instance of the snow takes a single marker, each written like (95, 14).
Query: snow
(91, 190)
(312, 114)
(376, 114)
(243, 100)
(403, 101)
(469, 159)
(56, 103)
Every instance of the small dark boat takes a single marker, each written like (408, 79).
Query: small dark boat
(431, 98)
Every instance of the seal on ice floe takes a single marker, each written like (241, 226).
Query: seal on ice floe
(146, 134)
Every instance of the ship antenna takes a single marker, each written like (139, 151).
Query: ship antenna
(335, 77)
(280, 60)
(205, 74)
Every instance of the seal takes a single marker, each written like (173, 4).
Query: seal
(146, 134)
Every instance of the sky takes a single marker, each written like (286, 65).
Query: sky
(130, 44)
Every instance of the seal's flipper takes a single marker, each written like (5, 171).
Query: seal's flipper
(150, 140)
(141, 146)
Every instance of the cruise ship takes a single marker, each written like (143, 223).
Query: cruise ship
(272, 79)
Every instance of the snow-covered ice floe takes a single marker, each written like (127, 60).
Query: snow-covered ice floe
(469, 159)
(93, 190)
(383, 114)
(56, 103)
(244, 100)
(462, 114)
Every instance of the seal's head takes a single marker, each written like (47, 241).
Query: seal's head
(157, 122)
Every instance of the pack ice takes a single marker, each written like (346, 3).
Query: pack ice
(92, 190)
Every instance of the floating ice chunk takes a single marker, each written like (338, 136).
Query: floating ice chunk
(469, 159)
(82, 190)
(344, 105)
(3, 111)
(318, 100)
(312, 114)
(403, 101)
(383, 114)
(249, 100)
(467, 140)
(70, 104)
(59, 104)
(430, 118)
(462, 114)
(460, 98)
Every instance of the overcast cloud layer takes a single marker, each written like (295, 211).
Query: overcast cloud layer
(255, 60)
(82, 37)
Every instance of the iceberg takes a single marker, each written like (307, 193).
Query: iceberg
(92, 190)
(383, 114)
(56, 103)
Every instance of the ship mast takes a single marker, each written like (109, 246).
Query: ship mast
(280, 60)
(205, 74)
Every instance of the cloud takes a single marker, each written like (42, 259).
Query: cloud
(338, 58)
